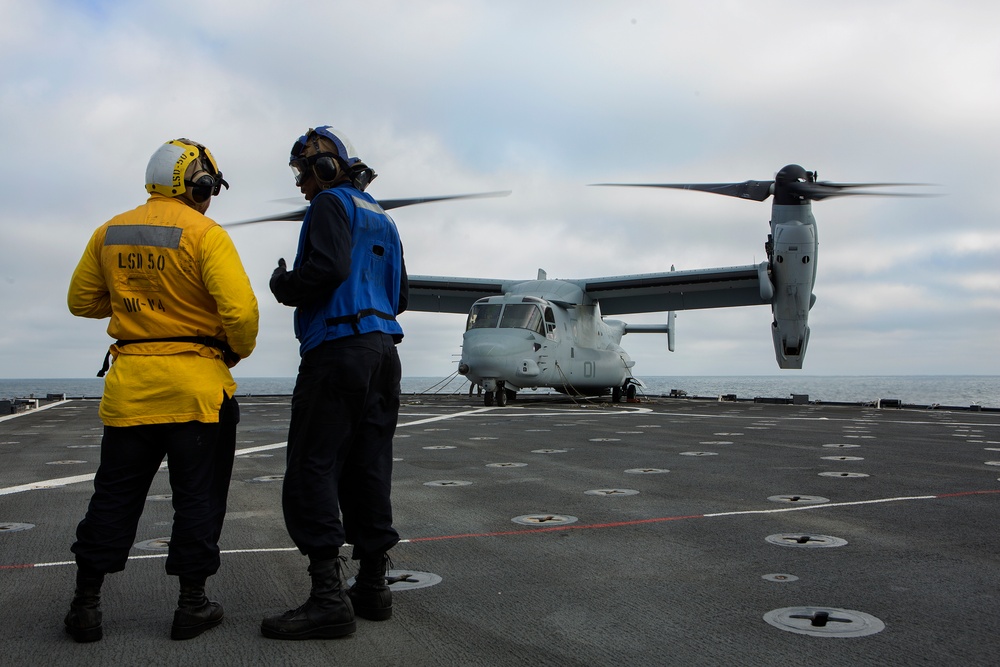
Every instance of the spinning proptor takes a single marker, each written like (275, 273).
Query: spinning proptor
(788, 275)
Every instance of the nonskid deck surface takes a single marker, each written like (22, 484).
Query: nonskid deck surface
(551, 532)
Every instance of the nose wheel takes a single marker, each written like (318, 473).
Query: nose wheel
(498, 397)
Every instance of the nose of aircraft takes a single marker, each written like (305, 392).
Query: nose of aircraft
(494, 353)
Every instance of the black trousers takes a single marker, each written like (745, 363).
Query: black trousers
(339, 459)
(200, 464)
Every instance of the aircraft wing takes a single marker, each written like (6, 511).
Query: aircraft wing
(680, 290)
(640, 293)
(436, 294)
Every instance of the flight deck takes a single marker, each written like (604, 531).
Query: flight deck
(560, 532)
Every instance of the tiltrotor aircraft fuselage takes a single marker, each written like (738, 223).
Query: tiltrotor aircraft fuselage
(554, 333)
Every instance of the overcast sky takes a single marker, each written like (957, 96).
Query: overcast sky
(541, 98)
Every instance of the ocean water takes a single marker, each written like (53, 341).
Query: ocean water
(946, 390)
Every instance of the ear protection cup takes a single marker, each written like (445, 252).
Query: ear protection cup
(327, 168)
(203, 185)
(202, 188)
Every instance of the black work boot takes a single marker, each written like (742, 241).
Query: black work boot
(195, 613)
(326, 614)
(370, 594)
(83, 622)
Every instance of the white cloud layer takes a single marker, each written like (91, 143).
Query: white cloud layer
(445, 97)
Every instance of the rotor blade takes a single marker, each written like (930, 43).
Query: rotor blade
(873, 185)
(294, 216)
(386, 204)
(389, 204)
(754, 190)
(825, 190)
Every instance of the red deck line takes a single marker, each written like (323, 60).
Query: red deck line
(551, 529)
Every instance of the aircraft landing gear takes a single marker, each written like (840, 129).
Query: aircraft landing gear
(500, 396)
(628, 390)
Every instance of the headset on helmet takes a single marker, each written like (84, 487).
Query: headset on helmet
(328, 155)
(184, 167)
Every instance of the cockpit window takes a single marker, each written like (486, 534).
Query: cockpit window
(522, 316)
(483, 316)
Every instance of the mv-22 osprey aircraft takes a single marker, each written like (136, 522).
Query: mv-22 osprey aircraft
(545, 333)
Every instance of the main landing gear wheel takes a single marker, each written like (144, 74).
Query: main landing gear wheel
(627, 390)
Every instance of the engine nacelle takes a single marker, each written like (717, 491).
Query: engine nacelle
(793, 273)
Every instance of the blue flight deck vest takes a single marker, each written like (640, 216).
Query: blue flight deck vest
(369, 299)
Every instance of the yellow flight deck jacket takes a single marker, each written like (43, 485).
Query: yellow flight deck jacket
(164, 270)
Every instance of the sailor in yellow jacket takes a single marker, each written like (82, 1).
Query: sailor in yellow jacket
(182, 314)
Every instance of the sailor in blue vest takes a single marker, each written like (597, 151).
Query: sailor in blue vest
(347, 284)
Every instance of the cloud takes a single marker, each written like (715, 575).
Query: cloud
(445, 97)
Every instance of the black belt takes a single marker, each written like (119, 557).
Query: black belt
(227, 352)
(355, 318)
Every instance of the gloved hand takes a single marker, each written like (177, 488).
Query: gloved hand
(280, 271)
(279, 284)
(277, 277)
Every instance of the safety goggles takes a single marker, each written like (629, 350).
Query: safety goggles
(301, 170)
